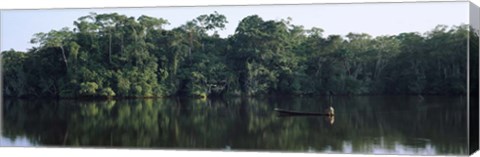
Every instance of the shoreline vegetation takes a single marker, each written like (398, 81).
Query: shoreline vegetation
(261, 96)
(112, 56)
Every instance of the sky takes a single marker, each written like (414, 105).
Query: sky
(18, 26)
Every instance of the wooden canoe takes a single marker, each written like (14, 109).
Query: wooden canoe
(297, 113)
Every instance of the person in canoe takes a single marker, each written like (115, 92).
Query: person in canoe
(330, 111)
(330, 119)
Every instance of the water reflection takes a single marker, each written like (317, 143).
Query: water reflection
(16, 141)
(381, 125)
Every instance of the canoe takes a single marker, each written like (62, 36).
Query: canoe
(298, 113)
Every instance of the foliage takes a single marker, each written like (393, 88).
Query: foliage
(110, 55)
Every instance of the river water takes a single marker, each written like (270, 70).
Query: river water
(429, 125)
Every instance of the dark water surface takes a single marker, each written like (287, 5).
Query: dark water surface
(362, 124)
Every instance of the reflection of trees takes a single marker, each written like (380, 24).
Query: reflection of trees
(40, 121)
(244, 123)
(113, 124)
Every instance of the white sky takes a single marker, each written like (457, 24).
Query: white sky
(18, 26)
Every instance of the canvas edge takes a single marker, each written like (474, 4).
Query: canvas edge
(143, 4)
(472, 109)
(1, 80)
(472, 147)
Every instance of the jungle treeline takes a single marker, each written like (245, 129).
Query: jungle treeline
(113, 55)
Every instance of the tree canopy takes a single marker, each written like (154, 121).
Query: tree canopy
(112, 55)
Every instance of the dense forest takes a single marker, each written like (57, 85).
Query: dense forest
(113, 55)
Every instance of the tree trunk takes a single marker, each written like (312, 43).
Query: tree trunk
(110, 48)
(64, 57)
(190, 46)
